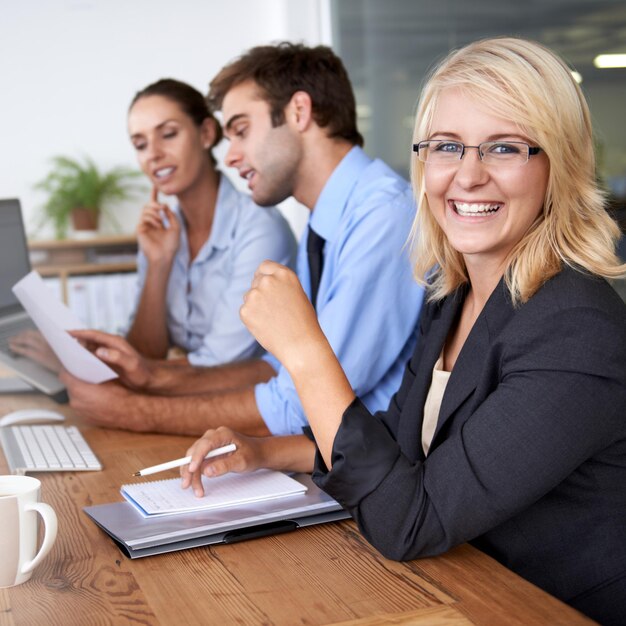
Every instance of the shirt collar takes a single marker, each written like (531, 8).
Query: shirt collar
(223, 222)
(336, 192)
(225, 215)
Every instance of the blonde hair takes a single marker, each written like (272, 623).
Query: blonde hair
(526, 83)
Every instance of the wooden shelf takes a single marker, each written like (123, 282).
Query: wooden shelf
(96, 242)
(78, 255)
(85, 268)
(63, 258)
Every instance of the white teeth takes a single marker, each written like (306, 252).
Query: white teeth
(465, 208)
(166, 171)
(249, 175)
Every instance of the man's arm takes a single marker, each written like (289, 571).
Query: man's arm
(170, 378)
(368, 304)
(180, 378)
(113, 406)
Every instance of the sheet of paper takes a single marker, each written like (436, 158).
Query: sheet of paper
(53, 319)
(166, 497)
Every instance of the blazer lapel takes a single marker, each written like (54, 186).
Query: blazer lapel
(436, 333)
(468, 367)
(434, 328)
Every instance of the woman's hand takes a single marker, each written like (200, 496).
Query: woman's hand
(157, 240)
(246, 458)
(280, 316)
(133, 369)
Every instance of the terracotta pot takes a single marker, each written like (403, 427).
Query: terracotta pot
(85, 219)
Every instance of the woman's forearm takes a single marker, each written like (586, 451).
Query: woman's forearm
(148, 333)
(324, 391)
(292, 453)
(279, 314)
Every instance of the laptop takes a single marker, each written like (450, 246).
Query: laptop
(14, 265)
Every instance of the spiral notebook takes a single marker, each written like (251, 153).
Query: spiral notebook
(166, 497)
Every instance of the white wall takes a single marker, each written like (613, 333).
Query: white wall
(69, 68)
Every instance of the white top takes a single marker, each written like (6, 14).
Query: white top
(433, 403)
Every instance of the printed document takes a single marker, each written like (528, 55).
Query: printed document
(54, 319)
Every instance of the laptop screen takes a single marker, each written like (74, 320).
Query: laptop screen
(14, 261)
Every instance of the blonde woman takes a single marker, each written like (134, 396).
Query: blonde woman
(509, 428)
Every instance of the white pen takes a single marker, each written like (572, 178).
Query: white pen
(231, 447)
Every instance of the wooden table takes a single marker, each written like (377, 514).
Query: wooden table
(326, 574)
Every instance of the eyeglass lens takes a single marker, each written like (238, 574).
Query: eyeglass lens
(439, 151)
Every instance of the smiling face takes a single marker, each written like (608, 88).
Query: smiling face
(267, 157)
(170, 147)
(483, 209)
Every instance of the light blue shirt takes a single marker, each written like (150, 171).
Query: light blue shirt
(204, 296)
(368, 302)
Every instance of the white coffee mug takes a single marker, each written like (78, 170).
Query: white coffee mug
(19, 506)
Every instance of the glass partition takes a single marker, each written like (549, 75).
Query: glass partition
(388, 48)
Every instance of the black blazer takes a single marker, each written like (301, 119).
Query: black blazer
(528, 460)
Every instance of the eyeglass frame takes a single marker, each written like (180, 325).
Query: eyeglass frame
(532, 150)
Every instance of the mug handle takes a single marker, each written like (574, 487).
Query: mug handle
(50, 523)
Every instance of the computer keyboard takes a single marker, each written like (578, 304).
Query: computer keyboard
(43, 448)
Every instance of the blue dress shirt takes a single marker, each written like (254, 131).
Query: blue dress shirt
(204, 296)
(368, 302)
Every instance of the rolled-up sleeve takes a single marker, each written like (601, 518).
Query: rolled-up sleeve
(553, 408)
(368, 307)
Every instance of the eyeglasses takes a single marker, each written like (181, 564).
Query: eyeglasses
(443, 151)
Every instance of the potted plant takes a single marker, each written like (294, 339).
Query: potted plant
(78, 192)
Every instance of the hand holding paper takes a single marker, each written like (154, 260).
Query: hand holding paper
(132, 368)
(54, 319)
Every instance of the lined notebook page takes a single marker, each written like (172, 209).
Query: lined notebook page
(165, 497)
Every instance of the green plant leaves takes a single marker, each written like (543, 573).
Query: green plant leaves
(73, 183)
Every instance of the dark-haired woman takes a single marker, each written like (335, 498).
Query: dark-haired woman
(197, 259)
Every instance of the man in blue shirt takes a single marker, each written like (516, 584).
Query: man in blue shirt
(289, 113)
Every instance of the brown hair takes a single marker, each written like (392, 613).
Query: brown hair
(281, 70)
(189, 99)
